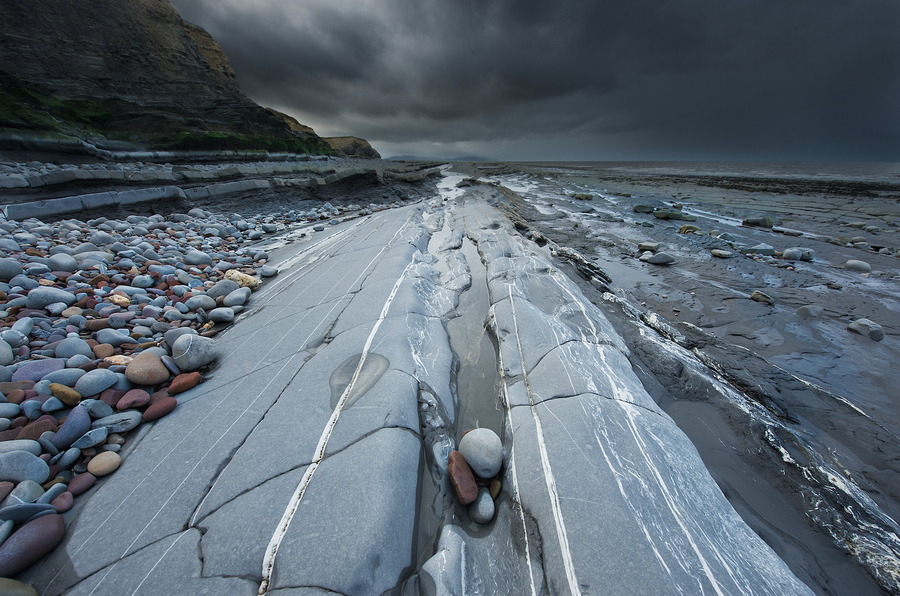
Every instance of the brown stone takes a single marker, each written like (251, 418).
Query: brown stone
(159, 396)
(65, 394)
(34, 430)
(9, 435)
(111, 396)
(56, 480)
(11, 587)
(461, 478)
(119, 299)
(160, 409)
(16, 397)
(81, 483)
(29, 543)
(5, 489)
(63, 502)
(103, 350)
(104, 463)
(183, 382)
(96, 324)
(136, 398)
(10, 386)
(147, 369)
(71, 311)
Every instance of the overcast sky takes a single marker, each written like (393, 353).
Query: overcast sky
(800, 80)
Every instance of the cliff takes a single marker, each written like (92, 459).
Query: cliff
(352, 146)
(128, 70)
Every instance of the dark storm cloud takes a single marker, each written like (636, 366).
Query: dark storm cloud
(771, 79)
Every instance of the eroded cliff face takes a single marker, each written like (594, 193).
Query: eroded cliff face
(149, 76)
(352, 146)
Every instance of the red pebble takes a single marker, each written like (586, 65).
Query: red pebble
(183, 382)
(29, 543)
(160, 409)
(462, 478)
(136, 398)
(63, 502)
(81, 483)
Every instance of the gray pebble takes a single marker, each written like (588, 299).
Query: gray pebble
(16, 466)
(867, 328)
(93, 437)
(120, 422)
(482, 508)
(95, 381)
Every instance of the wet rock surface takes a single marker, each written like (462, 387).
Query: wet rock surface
(349, 362)
(803, 379)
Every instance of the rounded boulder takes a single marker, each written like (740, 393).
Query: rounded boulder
(483, 452)
(146, 369)
(43, 296)
(193, 351)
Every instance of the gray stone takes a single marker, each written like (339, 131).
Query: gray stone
(191, 352)
(791, 254)
(22, 512)
(95, 381)
(483, 451)
(51, 493)
(200, 301)
(27, 491)
(52, 404)
(651, 246)
(28, 445)
(222, 288)
(721, 254)
(268, 271)
(66, 376)
(23, 325)
(482, 509)
(661, 258)
(16, 466)
(443, 574)
(762, 222)
(221, 315)
(91, 438)
(41, 296)
(62, 262)
(237, 297)
(867, 328)
(810, 311)
(100, 237)
(142, 281)
(861, 266)
(762, 249)
(173, 334)
(68, 458)
(77, 423)
(96, 408)
(120, 422)
(13, 339)
(35, 370)
(9, 410)
(71, 346)
(114, 337)
(196, 257)
(9, 268)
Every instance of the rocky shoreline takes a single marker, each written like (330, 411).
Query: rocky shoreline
(796, 312)
(92, 313)
(744, 330)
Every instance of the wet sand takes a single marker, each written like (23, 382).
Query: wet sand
(804, 440)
